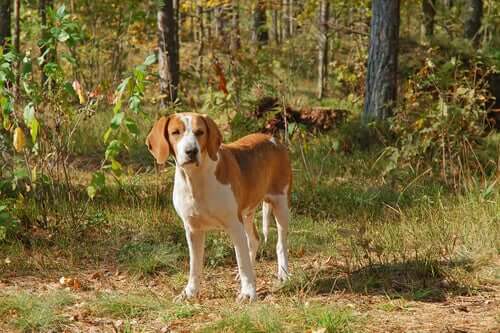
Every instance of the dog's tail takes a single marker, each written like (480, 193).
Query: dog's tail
(267, 216)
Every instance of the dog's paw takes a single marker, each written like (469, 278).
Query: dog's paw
(283, 275)
(185, 295)
(246, 296)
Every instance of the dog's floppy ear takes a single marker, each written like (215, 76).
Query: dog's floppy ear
(214, 137)
(157, 140)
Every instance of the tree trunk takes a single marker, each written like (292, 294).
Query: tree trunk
(260, 33)
(291, 23)
(219, 23)
(48, 55)
(285, 24)
(381, 76)
(235, 26)
(275, 28)
(5, 35)
(168, 52)
(17, 42)
(324, 14)
(448, 3)
(427, 27)
(201, 37)
(474, 14)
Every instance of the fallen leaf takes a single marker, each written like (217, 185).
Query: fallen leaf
(79, 91)
(19, 139)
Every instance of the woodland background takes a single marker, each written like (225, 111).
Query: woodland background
(390, 110)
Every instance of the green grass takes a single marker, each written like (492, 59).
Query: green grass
(282, 318)
(142, 306)
(29, 312)
(121, 306)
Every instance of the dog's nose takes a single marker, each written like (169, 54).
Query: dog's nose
(192, 152)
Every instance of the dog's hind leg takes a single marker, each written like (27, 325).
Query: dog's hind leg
(252, 236)
(281, 214)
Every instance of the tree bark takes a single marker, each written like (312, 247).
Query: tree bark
(17, 42)
(291, 23)
(428, 13)
(474, 14)
(381, 78)
(235, 26)
(285, 24)
(168, 52)
(275, 32)
(201, 37)
(324, 15)
(5, 34)
(48, 55)
(219, 23)
(260, 33)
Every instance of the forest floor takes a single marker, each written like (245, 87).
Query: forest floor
(106, 299)
(367, 254)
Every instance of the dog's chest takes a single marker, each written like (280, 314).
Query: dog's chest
(204, 203)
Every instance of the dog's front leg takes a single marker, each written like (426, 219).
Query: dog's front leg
(196, 244)
(245, 269)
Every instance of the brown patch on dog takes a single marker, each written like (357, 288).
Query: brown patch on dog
(254, 166)
(157, 141)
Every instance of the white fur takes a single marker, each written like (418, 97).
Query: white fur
(203, 203)
(187, 142)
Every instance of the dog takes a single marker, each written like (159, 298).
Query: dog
(220, 185)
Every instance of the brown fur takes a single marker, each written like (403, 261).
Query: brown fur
(254, 167)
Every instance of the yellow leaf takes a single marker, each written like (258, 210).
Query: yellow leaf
(19, 139)
(79, 91)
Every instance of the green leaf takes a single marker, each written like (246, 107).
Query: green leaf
(117, 120)
(61, 11)
(34, 126)
(63, 36)
(91, 191)
(98, 180)
(113, 149)
(123, 85)
(132, 126)
(107, 134)
(29, 113)
(151, 59)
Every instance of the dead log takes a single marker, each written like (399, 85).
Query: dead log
(315, 118)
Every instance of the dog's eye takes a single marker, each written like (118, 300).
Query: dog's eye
(199, 133)
(176, 132)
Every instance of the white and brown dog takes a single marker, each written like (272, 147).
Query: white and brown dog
(220, 186)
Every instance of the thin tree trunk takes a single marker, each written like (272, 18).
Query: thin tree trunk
(208, 26)
(291, 23)
(168, 55)
(5, 34)
(235, 29)
(324, 15)
(285, 24)
(17, 42)
(474, 13)
(260, 33)
(201, 37)
(427, 27)
(381, 77)
(48, 55)
(219, 23)
(275, 27)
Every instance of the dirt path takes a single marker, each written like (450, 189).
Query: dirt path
(374, 313)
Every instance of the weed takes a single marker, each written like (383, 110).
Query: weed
(30, 312)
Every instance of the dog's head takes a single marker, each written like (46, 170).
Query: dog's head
(189, 137)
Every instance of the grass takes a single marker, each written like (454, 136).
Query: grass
(294, 318)
(28, 312)
(403, 239)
